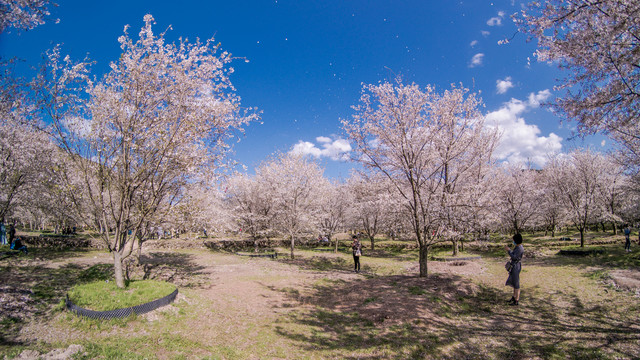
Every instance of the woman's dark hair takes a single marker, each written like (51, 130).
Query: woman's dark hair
(517, 238)
(354, 237)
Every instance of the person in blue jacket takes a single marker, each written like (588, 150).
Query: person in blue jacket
(19, 246)
(3, 233)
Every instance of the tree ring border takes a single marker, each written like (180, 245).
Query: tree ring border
(121, 313)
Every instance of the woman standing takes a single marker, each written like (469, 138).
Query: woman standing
(514, 274)
(627, 238)
(356, 248)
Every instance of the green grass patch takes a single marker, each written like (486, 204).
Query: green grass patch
(105, 295)
(416, 290)
(599, 275)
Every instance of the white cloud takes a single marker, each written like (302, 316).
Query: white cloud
(603, 143)
(476, 60)
(503, 85)
(334, 149)
(494, 21)
(473, 43)
(536, 99)
(497, 20)
(522, 142)
(306, 148)
(485, 33)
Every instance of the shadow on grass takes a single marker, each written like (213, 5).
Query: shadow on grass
(614, 257)
(394, 254)
(51, 254)
(446, 316)
(33, 292)
(177, 268)
(319, 263)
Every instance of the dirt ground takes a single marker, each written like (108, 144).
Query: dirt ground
(316, 306)
(626, 279)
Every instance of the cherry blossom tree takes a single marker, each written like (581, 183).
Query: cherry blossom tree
(335, 202)
(23, 14)
(291, 182)
(27, 156)
(45, 200)
(201, 209)
(613, 193)
(550, 204)
(250, 204)
(372, 203)
(578, 178)
(597, 43)
(477, 217)
(517, 197)
(158, 120)
(429, 146)
(464, 148)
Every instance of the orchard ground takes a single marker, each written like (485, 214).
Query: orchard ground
(316, 307)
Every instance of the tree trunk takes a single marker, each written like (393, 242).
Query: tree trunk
(139, 250)
(615, 228)
(455, 247)
(373, 244)
(117, 267)
(292, 245)
(336, 250)
(581, 237)
(424, 252)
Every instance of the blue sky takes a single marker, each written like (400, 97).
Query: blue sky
(308, 59)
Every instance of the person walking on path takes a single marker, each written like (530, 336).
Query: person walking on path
(356, 248)
(514, 273)
(627, 238)
(3, 233)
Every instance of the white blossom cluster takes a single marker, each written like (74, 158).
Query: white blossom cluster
(23, 14)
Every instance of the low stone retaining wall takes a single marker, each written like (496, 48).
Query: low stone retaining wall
(273, 256)
(235, 245)
(457, 258)
(56, 242)
(581, 252)
(169, 244)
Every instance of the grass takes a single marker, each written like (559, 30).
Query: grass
(447, 253)
(105, 295)
(320, 309)
(416, 290)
